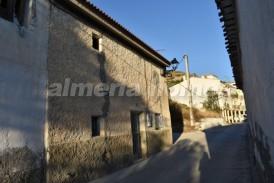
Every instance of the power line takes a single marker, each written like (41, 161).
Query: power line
(136, 70)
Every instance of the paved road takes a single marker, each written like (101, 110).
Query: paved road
(218, 155)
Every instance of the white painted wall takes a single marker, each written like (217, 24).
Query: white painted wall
(23, 79)
(256, 21)
(200, 86)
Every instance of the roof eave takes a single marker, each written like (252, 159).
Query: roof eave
(228, 15)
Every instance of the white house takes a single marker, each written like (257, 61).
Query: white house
(229, 96)
(200, 86)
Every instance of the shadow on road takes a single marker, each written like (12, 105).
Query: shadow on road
(229, 160)
(179, 164)
(217, 155)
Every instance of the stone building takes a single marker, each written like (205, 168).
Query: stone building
(249, 34)
(81, 96)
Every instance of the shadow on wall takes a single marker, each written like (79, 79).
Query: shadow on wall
(177, 118)
(157, 141)
(75, 156)
(262, 154)
(18, 165)
(22, 100)
(84, 161)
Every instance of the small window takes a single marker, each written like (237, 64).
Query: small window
(150, 118)
(96, 42)
(3, 3)
(158, 121)
(6, 9)
(20, 10)
(95, 126)
(9, 8)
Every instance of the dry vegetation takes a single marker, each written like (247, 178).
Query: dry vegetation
(180, 116)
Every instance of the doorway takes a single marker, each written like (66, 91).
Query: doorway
(136, 134)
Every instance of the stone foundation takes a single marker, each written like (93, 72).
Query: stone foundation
(20, 165)
(85, 161)
(158, 140)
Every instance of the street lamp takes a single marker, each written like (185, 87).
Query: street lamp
(174, 64)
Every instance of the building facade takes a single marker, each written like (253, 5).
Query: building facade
(230, 99)
(233, 104)
(200, 86)
(248, 27)
(81, 96)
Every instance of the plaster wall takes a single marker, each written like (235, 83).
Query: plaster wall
(71, 56)
(23, 79)
(256, 22)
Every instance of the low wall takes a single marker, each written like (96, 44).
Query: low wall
(89, 160)
(206, 123)
(158, 140)
(85, 161)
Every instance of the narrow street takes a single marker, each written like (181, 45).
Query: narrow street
(218, 155)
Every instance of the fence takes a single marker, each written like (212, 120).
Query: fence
(234, 115)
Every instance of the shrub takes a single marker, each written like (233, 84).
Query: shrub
(212, 102)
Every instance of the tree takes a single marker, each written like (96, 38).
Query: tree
(212, 102)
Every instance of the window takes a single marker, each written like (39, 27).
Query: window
(3, 3)
(150, 118)
(95, 126)
(6, 9)
(19, 10)
(158, 121)
(9, 8)
(96, 42)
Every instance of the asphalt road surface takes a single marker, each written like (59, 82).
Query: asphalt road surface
(218, 155)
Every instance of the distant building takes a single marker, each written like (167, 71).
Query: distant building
(200, 86)
(231, 99)
(232, 103)
(53, 127)
(210, 76)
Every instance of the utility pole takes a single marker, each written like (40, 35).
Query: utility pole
(189, 88)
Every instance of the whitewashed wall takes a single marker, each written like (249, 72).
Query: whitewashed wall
(23, 79)
(256, 22)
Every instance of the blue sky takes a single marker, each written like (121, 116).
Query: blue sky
(179, 27)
